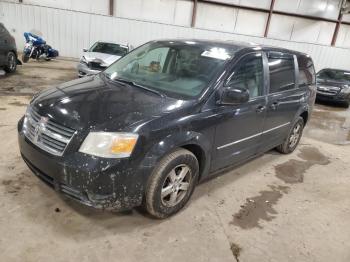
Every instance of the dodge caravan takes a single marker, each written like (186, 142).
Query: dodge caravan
(164, 117)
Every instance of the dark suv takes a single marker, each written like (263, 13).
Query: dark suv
(8, 51)
(333, 85)
(164, 117)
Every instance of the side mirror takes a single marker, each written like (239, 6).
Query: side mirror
(85, 49)
(234, 96)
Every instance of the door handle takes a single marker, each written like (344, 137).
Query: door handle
(274, 105)
(260, 109)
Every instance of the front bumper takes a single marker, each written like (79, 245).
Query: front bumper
(84, 70)
(113, 184)
(342, 98)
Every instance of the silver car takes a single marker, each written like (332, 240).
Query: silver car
(98, 57)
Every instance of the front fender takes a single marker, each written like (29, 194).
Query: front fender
(176, 140)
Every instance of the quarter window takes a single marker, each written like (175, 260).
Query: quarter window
(248, 75)
(282, 72)
(306, 71)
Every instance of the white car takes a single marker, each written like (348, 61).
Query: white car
(101, 55)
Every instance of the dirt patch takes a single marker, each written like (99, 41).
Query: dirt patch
(34, 77)
(12, 187)
(15, 185)
(236, 250)
(292, 171)
(17, 103)
(258, 208)
(2, 108)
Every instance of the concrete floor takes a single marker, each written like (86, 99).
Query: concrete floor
(275, 208)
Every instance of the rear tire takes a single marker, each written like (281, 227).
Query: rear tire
(293, 138)
(11, 63)
(25, 58)
(171, 184)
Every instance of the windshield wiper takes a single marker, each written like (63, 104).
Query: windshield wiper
(132, 83)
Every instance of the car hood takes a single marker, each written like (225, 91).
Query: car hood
(102, 58)
(99, 104)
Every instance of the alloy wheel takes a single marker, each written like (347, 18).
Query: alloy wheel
(11, 62)
(294, 137)
(176, 185)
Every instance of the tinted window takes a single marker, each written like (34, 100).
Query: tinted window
(281, 72)
(248, 75)
(306, 71)
(109, 48)
(335, 75)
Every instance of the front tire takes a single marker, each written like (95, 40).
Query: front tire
(11, 62)
(171, 184)
(293, 138)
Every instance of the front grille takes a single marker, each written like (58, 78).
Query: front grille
(96, 66)
(45, 133)
(328, 90)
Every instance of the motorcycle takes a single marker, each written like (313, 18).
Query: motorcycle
(37, 48)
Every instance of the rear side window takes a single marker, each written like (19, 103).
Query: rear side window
(282, 72)
(306, 71)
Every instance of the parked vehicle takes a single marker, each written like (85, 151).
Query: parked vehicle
(36, 48)
(333, 85)
(163, 118)
(8, 51)
(98, 57)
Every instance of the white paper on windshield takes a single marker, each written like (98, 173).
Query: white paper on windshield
(217, 53)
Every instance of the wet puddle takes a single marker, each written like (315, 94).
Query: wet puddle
(329, 124)
(259, 208)
(236, 251)
(292, 171)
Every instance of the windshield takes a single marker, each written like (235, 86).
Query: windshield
(335, 75)
(175, 68)
(109, 48)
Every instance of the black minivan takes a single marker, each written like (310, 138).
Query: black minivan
(162, 118)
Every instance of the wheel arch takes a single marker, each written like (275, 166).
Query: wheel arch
(305, 116)
(196, 143)
(199, 153)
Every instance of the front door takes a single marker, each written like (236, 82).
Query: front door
(239, 129)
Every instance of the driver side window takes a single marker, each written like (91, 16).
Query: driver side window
(249, 75)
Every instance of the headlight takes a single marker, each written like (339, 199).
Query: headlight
(345, 90)
(109, 145)
(83, 60)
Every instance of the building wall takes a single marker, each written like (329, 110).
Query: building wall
(139, 21)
